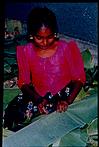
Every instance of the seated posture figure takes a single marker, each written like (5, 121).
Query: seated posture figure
(51, 70)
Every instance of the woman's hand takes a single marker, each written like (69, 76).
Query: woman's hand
(62, 106)
(42, 108)
(28, 114)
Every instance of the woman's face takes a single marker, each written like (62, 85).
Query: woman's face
(44, 38)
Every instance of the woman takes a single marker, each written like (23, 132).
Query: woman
(51, 71)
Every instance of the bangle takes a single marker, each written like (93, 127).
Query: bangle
(59, 93)
(67, 91)
(48, 96)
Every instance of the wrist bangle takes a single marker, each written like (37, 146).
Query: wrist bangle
(59, 94)
(48, 96)
(67, 91)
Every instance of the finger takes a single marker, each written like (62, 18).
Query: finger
(45, 111)
(59, 109)
(65, 108)
(40, 109)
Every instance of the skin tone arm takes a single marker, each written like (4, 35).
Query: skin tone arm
(63, 105)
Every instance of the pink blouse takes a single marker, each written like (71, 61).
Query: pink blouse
(50, 74)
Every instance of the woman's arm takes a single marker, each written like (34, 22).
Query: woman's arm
(68, 95)
(75, 89)
(78, 77)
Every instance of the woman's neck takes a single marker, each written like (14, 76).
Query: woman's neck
(47, 52)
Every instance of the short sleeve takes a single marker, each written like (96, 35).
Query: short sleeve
(76, 62)
(23, 66)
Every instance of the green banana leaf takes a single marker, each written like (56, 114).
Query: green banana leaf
(92, 128)
(92, 131)
(7, 133)
(80, 137)
(88, 59)
(85, 110)
(75, 138)
(8, 95)
(50, 128)
(82, 94)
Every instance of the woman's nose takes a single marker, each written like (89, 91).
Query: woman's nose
(44, 42)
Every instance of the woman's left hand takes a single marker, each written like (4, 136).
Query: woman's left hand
(62, 106)
(42, 108)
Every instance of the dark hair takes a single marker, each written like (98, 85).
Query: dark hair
(39, 17)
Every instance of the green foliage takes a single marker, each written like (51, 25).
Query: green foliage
(92, 132)
(88, 59)
(8, 95)
(82, 94)
(73, 139)
(10, 64)
(10, 68)
(84, 137)
(6, 132)
(20, 39)
(91, 69)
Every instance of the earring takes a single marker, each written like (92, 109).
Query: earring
(56, 35)
(31, 37)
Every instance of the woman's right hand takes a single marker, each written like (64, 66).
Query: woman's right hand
(42, 108)
(62, 106)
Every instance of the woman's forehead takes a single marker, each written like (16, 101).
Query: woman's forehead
(44, 31)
